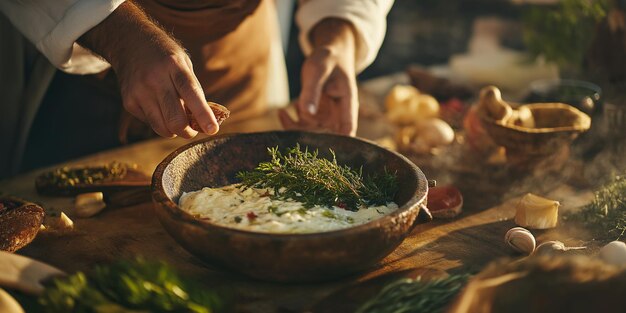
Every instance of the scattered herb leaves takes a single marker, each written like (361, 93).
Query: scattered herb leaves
(303, 176)
(415, 295)
(605, 216)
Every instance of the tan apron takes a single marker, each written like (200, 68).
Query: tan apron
(229, 43)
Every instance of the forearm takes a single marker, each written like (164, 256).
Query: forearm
(367, 16)
(122, 34)
(154, 72)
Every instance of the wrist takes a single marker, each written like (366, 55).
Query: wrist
(333, 33)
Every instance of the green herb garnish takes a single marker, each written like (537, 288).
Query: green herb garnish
(415, 295)
(328, 214)
(126, 287)
(605, 216)
(68, 176)
(312, 180)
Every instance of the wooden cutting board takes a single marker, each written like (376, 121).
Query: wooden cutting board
(464, 244)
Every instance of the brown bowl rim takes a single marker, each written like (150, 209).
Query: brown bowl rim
(159, 196)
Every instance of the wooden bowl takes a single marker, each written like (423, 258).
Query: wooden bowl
(557, 125)
(322, 256)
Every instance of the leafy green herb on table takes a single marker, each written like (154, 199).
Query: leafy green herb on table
(127, 287)
(305, 177)
(415, 295)
(605, 216)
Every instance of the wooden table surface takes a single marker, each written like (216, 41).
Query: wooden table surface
(464, 244)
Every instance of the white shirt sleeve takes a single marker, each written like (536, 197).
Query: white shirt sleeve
(54, 26)
(367, 16)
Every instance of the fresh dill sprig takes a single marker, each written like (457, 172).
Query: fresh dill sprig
(303, 176)
(415, 295)
(605, 216)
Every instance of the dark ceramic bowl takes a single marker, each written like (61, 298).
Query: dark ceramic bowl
(215, 161)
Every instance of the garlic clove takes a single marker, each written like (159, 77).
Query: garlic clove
(554, 247)
(60, 224)
(89, 204)
(614, 253)
(537, 212)
(521, 240)
(65, 221)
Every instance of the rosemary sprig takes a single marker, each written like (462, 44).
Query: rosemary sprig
(415, 295)
(605, 216)
(305, 177)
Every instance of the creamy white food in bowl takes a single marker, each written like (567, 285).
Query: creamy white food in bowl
(254, 209)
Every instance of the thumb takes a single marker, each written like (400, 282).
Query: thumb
(315, 72)
(286, 121)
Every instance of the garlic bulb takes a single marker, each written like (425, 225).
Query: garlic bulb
(536, 212)
(553, 247)
(614, 253)
(521, 240)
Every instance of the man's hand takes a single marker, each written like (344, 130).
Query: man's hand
(156, 76)
(328, 99)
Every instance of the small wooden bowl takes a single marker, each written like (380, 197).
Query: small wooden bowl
(557, 124)
(322, 256)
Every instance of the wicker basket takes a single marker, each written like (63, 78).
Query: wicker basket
(556, 124)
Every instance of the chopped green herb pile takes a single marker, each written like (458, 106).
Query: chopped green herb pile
(68, 176)
(415, 295)
(605, 216)
(126, 287)
(312, 180)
